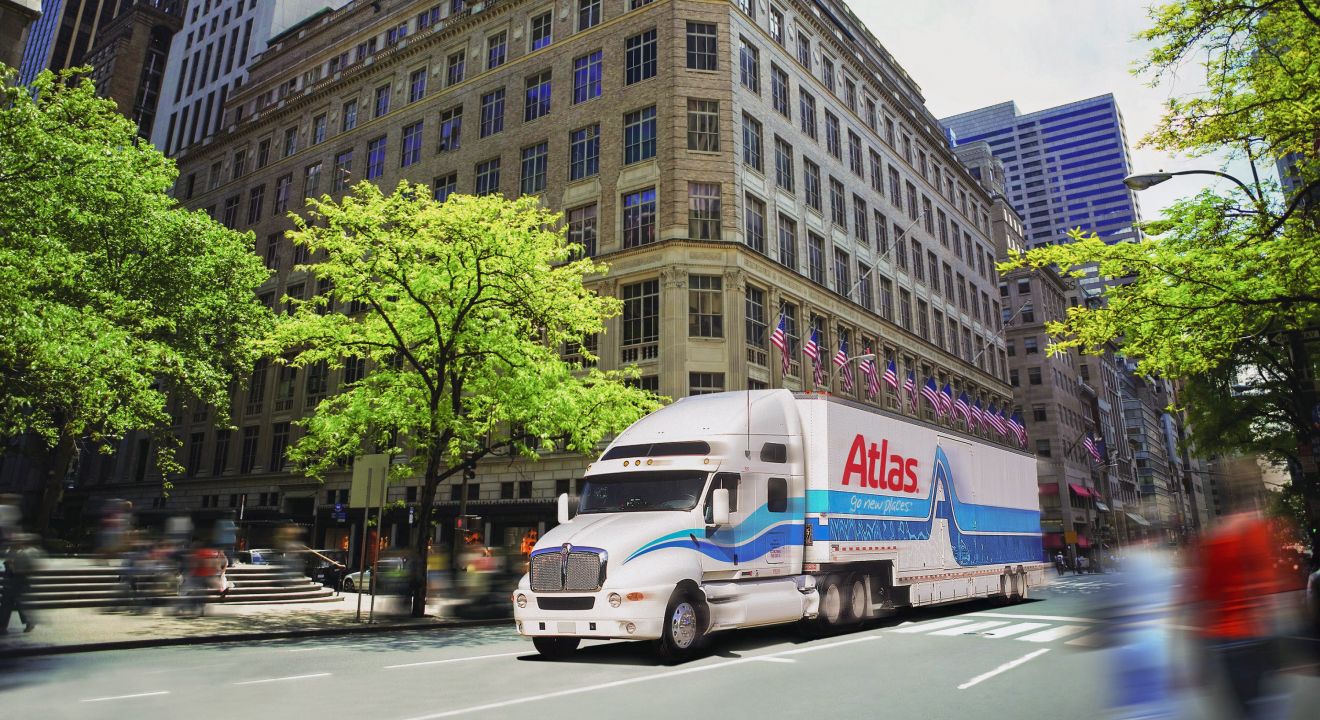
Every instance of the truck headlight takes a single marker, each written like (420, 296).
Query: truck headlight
(522, 600)
(615, 600)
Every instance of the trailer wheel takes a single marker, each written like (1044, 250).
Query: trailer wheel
(831, 603)
(683, 629)
(857, 598)
(1023, 591)
(553, 648)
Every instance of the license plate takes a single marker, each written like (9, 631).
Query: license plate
(566, 628)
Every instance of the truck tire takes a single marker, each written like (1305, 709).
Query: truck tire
(682, 633)
(1023, 592)
(553, 648)
(856, 599)
(832, 602)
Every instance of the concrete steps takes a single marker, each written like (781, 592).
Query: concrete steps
(100, 586)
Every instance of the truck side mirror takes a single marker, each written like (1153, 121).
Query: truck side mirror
(719, 502)
(563, 508)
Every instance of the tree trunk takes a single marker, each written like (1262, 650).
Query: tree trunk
(54, 469)
(1307, 451)
(421, 541)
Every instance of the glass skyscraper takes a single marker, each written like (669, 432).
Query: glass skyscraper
(1064, 166)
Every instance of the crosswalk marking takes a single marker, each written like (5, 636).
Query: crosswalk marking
(1017, 629)
(974, 627)
(1054, 633)
(923, 627)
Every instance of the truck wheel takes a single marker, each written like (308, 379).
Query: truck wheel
(682, 632)
(555, 647)
(857, 599)
(1023, 593)
(831, 603)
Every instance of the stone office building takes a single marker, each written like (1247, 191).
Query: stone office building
(732, 162)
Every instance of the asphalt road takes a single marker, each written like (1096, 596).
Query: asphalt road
(1037, 659)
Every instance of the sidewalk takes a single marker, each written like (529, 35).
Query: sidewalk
(85, 630)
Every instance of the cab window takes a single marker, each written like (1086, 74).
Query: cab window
(776, 496)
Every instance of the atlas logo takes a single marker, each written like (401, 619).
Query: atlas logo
(876, 467)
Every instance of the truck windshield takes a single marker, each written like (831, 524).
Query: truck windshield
(642, 491)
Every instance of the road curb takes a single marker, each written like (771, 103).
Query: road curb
(40, 650)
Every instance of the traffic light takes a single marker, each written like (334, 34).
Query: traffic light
(470, 470)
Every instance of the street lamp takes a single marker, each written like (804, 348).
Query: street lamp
(1145, 181)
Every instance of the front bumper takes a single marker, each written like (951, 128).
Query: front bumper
(645, 616)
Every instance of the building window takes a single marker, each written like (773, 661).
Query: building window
(582, 229)
(865, 295)
(454, 72)
(701, 383)
(278, 444)
(1029, 346)
(282, 187)
(639, 135)
(747, 6)
(639, 218)
(488, 177)
(705, 306)
(444, 186)
(751, 135)
(256, 197)
(881, 234)
(586, 77)
(641, 313)
(382, 100)
(492, 113)
(416, 85)
(584, 152)
(816, 258)
(240, 164)
(229, 215)
(1033, 375)
(776, 25)
(749, 65)
(412, 144)
(703, 125)
(842, 273)
(754, 224)
(541, 31)
(639, 57)
(451, 129)
(702, 46)
(832, 141)
(855, 155)
(537, 97)
(290, 141)
(807, 113)
(811, 183)
(755, 317)
(318, 129)
(779, 96)
(1043, 448)
(860, 229)
(704, 211)
(918, 262)
(248, 460)
(220, 459)
(311, 180)
(496, 50)
(887, 299)
(376, 158)
(788, 242)
(838, 204)
(533, 168)
(783, 164)
(905, 309)
(316, 383)
(588, 14)
(804, 49)
(827, 71)
(263, 153)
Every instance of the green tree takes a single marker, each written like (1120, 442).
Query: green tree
(112, 297)
(460, 311)
(1225, 287)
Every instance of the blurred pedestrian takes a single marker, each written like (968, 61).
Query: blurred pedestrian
(1083, 564)
(11, 516)
(206, 575)
(1059, 565)
(21, 560)
(1233, 594)
(225, 534)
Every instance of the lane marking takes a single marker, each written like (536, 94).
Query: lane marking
(923, 627)
(310, 649)
(1015, 629)
(776, 659)
(1059, 618)
(282, 679)
(631, 681)
(974, 627)
(1003, 668)
(1054, 633)
(454, 660)
(125, 697)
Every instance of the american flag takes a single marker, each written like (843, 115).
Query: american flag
(1002, 420)
(910, 387)
(779, 338)
(891, 375)
(978, 415)
(812, 350)
(841, 362)
(946, 399)
(1089, 443)
(1019, 431)
(932, 394)
(961, 407)
(993, 417)
(872, 374)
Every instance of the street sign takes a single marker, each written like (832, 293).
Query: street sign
(369, 481)
(1070, 537)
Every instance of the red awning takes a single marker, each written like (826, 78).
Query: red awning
(1050, 489)
(1081, 491)
(1082, 542)
(1052, 541)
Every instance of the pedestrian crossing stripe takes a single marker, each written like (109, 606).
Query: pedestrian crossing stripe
(1033, 632)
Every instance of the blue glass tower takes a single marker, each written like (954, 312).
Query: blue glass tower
(1064, 166)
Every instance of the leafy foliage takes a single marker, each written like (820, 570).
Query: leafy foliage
(111, 295)
(460, 310)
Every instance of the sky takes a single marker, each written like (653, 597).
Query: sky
(967, 54)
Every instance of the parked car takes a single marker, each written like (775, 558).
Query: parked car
(393, 577)
(262, 556)
(326, 566)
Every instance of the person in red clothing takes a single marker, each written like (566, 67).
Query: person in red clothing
(1234, 593)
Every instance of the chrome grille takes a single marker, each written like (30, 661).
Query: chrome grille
(583, 572)
(548, 572)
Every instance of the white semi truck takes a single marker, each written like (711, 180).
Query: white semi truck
(743, 509)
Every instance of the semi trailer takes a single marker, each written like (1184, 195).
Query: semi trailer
(744, 509)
